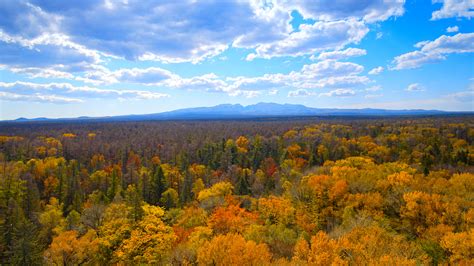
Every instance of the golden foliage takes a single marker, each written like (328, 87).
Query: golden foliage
(242, 144)
(69, 249)
(460, 246)
(231, 219)
(233, 249)
(220, 189)
(69, 135)
(149, 242)
(276, 209)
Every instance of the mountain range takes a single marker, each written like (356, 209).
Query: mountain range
(259, 110)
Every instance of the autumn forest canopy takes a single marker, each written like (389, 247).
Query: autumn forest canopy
(312, 191)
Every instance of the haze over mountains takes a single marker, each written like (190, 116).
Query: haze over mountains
(259, 110)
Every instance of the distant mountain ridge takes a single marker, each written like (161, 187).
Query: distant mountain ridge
(259, 110)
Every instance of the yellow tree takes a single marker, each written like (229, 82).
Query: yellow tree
(361, 246)
(242, 144)
(215, 195)
(233, 249)
(69, 249)
(52, 221)
(460, 247)
(116, 227)
(323, 251)
(150, 242)
(422, 210)
(276, 210)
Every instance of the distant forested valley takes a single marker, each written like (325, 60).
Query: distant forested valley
(312, 191)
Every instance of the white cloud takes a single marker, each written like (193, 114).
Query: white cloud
(37, 72)
(339, 93)
(415, 59)
(452, 29)
(459, 43)
(324, 74)
(36, 97)
(300, 93)
(53, 51)
(181, 31)
(341, 54)
(376, 71)
(208, 82)
(454, 8)
(437, 50)
(146, 76)
(332, 68)
(370, 11)
(415, 87)
(158, 77)
(313, 38)
(327, 73)
(345, 81)
(246, 94)
(62, 91)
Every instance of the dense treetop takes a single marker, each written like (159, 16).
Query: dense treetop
(308, 191)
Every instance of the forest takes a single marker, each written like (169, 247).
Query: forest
(310, 191)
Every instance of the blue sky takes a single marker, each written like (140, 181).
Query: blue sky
(97, 58)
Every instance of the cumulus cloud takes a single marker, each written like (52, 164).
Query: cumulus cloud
(416, 59)
(332, 68)
(341, 54)
(146, 76)
(370, 11)
(74, 40)
(313, 38)
(338, 93)
(37, 33)
(37, 97)
(170, 32)
(246, 94)
(300, 93)
(45, 55)
(376, 71)
(434, 51)
(37, 72)
(158, 77)
(183, 31)
(415, 87)
(326, 73)
(452, 29)
(66, 92)
(454, 8)
(208, 82)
